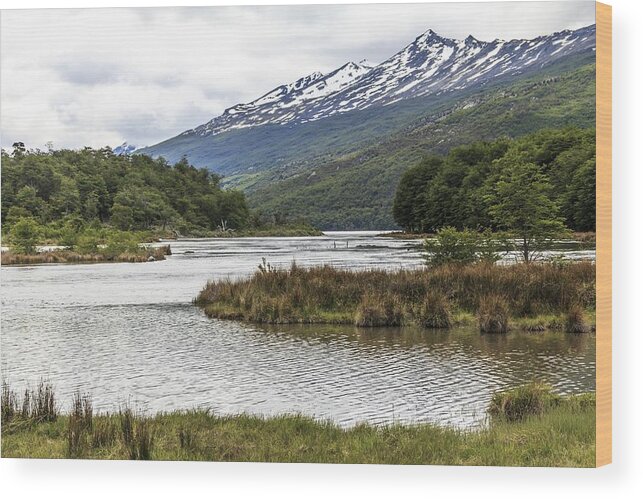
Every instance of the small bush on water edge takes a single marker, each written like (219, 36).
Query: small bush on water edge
(528, 400)
(9, 404)
(68, 256)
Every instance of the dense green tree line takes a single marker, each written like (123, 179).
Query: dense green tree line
(130, 193)
(474, 186)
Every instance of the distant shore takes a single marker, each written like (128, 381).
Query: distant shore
(52, 251)
(582, 237)
(273, 231)
(68, 256)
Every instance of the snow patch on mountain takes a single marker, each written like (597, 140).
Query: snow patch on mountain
(431, 64)
(125, 149)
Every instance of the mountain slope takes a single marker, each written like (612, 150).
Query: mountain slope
(250, 137)
(280, 105)
(356, 191)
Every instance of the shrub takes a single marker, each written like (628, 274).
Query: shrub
(528, 400)
(452, 246)
(43, 403)
(24, 235)
(493, 314)
(339, 295)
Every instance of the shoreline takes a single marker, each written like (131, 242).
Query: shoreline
(578, 237)
(528, 426)
(153, 254)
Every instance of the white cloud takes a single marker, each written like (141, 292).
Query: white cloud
(101, 76)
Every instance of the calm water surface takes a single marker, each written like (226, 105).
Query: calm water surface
(128, 333)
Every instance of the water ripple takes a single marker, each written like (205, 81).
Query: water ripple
(127, 332)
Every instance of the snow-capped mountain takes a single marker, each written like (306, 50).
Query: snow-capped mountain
(431, 64)
(124, 149)
(284, 103)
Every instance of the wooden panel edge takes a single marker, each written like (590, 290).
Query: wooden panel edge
(603, 234)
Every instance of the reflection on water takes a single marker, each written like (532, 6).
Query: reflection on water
(128, 331)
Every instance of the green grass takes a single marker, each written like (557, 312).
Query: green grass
(528, 297)
(557, 434)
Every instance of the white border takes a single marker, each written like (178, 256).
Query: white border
(69, 479)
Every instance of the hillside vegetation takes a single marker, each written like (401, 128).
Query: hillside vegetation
(59, 195)
(357, 190)
(460, 189)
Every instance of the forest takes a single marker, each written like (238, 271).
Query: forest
(73, 191)
(473, 184)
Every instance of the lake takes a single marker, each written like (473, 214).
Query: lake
(128, 333)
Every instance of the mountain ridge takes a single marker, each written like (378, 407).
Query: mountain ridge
(431, 64)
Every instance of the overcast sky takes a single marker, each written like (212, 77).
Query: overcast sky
(96, 77)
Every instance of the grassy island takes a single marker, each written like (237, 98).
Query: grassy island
(529, 426)
(525, 296)
(142, 254)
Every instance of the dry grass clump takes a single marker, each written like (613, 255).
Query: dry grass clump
(534, 327)
(575, 321)
(104, 432)
(9, 403)
(377, 311)
(35, 405)
(80, 424)
(136, 434)
(493, 315)
(434, 311)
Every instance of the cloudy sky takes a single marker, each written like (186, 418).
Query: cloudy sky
(96, 77)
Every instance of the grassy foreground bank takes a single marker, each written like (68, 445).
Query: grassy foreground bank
(527, 296)
(530, 426)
